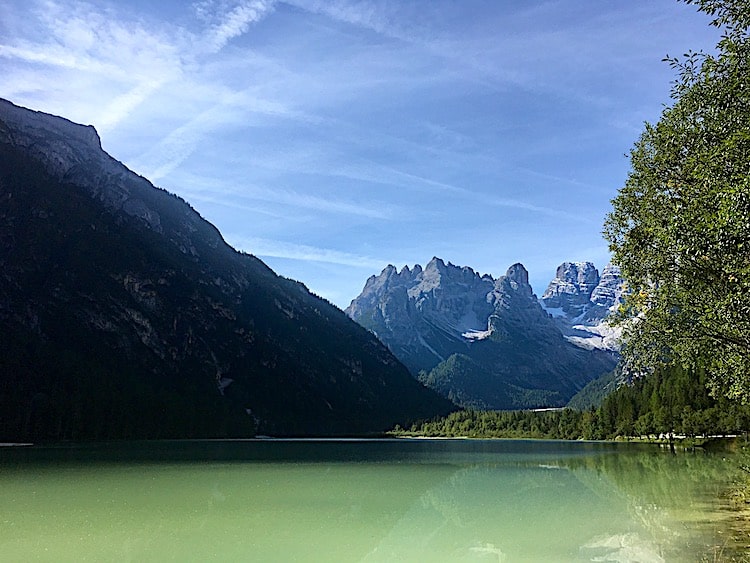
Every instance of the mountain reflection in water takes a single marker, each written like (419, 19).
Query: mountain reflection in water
(358, 500)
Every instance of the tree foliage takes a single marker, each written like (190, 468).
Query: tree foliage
(672, 401)
(680, 227)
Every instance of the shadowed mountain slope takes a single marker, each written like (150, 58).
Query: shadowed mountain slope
(124, 314)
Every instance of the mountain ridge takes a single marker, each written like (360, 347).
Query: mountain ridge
(485, 342)
(129, 316)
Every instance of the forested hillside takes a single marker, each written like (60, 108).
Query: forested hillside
(680, 231)
(671, 402)
(124, 314)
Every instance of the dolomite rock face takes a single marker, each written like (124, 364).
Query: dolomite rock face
(571, 288)
(609, 290)
(422, 314)
(580, 300)
(482, 341)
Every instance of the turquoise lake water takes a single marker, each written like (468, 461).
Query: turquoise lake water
(357, 500)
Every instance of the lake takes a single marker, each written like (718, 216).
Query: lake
(364, 500)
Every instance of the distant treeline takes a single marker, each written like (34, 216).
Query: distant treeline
(670, 402)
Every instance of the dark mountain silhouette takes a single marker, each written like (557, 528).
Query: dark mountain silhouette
(124, 314)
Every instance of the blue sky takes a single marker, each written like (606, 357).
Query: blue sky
(331, 138)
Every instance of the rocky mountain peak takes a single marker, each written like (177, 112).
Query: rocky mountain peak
(390, 271)
(27, 123)
(72, 153)
(435, 264)
(580, 301)
(577, 288)
(571, 288)
(432, 316)
(517, 273)
(609, 290)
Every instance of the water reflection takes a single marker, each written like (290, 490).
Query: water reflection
(519, 512)
(680, 498)
(359, 501)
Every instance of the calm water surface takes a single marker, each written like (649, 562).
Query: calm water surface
(389, 500)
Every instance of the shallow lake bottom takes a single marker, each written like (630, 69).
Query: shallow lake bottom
(362, 500)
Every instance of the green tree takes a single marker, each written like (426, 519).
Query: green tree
(680, 227)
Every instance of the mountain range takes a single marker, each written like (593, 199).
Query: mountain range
(580, 301)
(488, 342)
(124, 314)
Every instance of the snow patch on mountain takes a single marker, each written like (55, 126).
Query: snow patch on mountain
(581, 301)
(554, 312)
(482, 341)
(476, 334)
(602, 336)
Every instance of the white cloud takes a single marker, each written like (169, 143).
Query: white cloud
(229, 109)
(52, 56)
(365, 14)
(94, 59)
(121, 106)
(231, 192)
(114, 62)
(306, 201)
(542, 210)
(394, 177)
(262, 247)
(180, 143)
(235, 22)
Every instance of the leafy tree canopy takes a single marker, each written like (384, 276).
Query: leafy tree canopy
(680, 227)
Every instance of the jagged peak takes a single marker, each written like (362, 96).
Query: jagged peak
(518, 273)
(611, 269)
(436, 263)
(389, 270)
(574, 269)
(579, 263)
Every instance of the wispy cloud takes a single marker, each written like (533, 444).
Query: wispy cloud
(394, 177)
(161, 159)
(54, 57)
(373, 16)
(121, 106)
(105, 64)
(262, 247)
(231, 23)
(472, 58)
(558, 180)
(232, 192)
(306, 201)
(537, 209)
(363, 128)
(134, 57)
(253, 210)
(227, 110)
